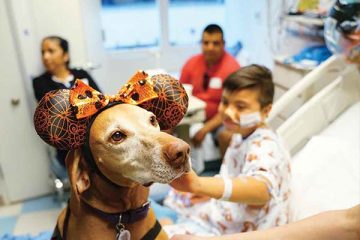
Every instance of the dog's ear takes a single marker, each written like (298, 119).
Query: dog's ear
(79, 172)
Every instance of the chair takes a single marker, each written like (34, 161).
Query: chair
(58, 178)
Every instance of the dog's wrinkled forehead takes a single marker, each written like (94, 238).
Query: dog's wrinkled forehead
(124, 117)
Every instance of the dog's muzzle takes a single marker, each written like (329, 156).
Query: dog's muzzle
(176, 153)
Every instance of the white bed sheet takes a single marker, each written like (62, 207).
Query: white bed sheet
(326, 172)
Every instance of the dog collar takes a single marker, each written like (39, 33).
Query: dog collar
(128, 217)
(119, 219)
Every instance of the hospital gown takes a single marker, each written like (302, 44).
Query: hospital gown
(260, 155)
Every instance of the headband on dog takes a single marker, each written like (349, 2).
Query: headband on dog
(62, 117)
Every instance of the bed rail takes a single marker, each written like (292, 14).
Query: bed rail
(337, 87)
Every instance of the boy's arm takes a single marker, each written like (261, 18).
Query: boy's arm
(331, 225)
(247, 190)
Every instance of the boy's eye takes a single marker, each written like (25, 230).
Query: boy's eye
(240, 107)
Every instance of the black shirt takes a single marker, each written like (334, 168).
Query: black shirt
(44, 83)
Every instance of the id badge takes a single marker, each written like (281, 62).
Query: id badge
(215, 83)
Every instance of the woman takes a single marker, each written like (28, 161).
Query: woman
(58, 75)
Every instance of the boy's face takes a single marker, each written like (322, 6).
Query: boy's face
(235, 104)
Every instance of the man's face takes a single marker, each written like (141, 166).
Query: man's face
(212, 45)
(236, 103)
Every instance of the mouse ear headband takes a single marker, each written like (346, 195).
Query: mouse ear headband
(62, 117)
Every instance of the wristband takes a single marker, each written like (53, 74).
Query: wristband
(227, 189)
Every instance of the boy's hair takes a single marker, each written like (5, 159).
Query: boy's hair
(252, 76)
(214, 28)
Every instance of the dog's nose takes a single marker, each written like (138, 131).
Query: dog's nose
(177, 153)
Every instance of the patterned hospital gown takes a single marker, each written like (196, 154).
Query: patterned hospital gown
(260, 155)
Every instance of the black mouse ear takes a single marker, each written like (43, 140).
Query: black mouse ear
(55, 121)
(172, 102)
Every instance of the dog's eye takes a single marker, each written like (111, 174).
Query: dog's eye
(118, 136)
(153, 121)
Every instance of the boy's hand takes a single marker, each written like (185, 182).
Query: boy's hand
(186, 199)
(188, 182)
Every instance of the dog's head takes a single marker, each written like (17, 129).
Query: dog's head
(120, 139)
(127, 146)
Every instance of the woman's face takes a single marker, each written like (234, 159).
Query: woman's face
(53, 56)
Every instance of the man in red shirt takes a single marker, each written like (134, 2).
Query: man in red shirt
(206, 73)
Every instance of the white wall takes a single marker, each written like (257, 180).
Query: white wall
(121, 66)
(251, 22)
(23, 156)
(79, 22)
(258, 26)
(24, 166)
(63, 18)
(35, 19)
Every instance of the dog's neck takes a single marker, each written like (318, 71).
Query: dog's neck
(85, 222)
(111, 198)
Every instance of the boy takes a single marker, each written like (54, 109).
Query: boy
(251, 191)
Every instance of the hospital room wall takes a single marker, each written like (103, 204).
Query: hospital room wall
(79, 22)
(255, 24)
(254, 35)
(24, 166)
(30, 21)
(258, 25)
(35, 19)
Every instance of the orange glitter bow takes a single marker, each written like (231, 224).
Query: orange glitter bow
(86, 101)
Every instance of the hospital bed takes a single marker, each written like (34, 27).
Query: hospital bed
(319, 121)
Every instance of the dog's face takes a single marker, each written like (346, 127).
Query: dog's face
(128, 147)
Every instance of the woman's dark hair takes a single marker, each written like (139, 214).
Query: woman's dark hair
(63, 43)
(252, 76)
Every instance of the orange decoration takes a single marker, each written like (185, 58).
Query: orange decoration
(87, 101)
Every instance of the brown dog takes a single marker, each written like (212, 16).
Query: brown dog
(131, 153)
